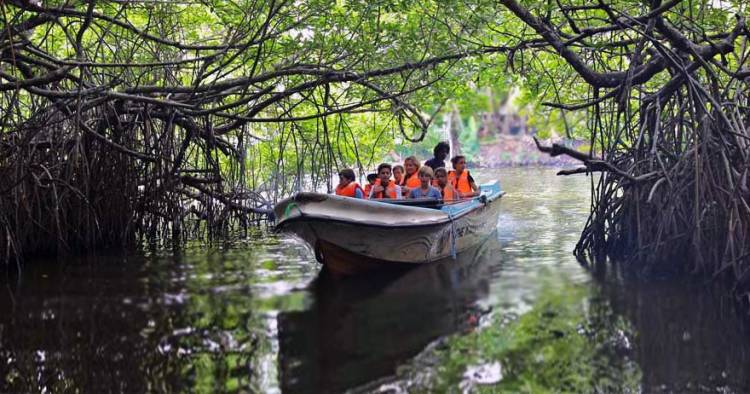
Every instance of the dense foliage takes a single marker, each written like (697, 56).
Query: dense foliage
(123, 119)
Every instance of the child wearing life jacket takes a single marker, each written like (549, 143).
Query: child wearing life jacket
(411, 175)
(372, 179)
(347, 187)
(398, 174)
(385, 188)
(446, 188)
(461, 179)
(425, 189)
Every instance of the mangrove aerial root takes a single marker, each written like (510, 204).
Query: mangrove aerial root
(670, 138)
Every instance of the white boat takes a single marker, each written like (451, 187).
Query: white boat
(350, 235)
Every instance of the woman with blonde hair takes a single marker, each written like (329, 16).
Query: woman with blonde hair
(411, 174)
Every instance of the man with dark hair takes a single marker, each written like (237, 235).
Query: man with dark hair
(441, 152)
(385, 188)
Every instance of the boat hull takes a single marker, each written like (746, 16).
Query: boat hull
(343, 262)
(395, 242)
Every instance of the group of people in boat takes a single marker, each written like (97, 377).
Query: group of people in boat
(412, 180)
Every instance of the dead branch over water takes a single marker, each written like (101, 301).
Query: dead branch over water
(671, 136)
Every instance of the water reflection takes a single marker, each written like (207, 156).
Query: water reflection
(59, 333)
(690, 337)
(360, 329)
(255, 315)
(199, 320)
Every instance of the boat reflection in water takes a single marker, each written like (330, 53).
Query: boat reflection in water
(361, 328)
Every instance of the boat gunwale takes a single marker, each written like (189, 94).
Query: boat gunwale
(448, 217)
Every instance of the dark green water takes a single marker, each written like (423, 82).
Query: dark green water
(257, 315)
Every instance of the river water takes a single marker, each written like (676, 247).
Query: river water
(256, 314)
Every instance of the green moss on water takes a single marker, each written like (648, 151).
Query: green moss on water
(565, 343)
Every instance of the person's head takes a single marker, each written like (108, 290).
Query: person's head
(371, 178)
(425, 175)
(441, 174)
(398, 172)
(411, 165)
(441, 150)
(384, 173)
(346, 176)
(459, 163)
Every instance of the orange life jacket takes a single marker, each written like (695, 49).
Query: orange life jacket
(449, 193)
(349, 190)
(411, 182)
(369, 186)
(390, 190)
(461, 184)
